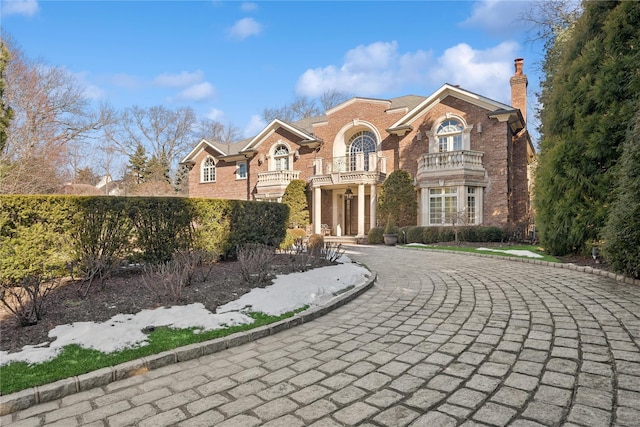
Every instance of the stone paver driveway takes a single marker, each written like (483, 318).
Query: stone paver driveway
(440, 340)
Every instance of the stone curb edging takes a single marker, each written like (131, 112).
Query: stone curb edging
(583, 268)
(45, 393)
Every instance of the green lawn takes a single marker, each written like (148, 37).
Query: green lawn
(75, 360)
(535, 249)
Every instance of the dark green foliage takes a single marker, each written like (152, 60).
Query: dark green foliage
(374, 236)
(398, 199)
(468, 234)
(258, 222)
(414, 234)
(138, 165)
(490, 233)
(589, 97)
(622, 231)
(295, 196)
(6, 113)
(163, 225)
(32, 240)
(43, 234)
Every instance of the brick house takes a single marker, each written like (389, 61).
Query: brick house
(469, 156)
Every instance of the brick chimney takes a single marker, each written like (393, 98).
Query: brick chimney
(519, 84)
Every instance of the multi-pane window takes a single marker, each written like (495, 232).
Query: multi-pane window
(361, 142)
(209, 170)
(241, 170)
(443, 205)
(471, 205)
(450, 135)
(281, 158)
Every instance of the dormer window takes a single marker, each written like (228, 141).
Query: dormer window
(449, 135)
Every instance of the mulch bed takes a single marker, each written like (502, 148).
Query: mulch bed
(123, 293)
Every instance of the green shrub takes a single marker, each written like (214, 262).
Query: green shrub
(468, 234)
(414, 234)
(490, 233)
(446, 234)
(430, 235)
(258, 222)
(375, 235)
(292, 235)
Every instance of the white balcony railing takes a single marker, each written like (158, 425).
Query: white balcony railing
(451, 160)
(277, 178)
(358, 163)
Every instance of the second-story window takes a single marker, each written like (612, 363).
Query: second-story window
(449, 135)
(281, 158)
(361, 142)
(208, 170)
(241, 170)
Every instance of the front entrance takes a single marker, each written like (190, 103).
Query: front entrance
(350, 215)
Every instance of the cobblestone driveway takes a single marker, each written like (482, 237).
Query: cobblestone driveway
(440, 340)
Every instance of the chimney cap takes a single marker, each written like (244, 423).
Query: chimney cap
(519, 62)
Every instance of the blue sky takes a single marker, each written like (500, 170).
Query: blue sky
(230, 60)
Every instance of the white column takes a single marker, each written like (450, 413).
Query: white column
(373, 206)
(317, 196)
(334, 213)
(360, 210)
(424, 204)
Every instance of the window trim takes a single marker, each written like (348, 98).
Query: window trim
(203, 170)
(238, 165)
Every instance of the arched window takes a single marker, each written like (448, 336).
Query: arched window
(449, 135)
(208, 170)
(361, 142)
(281, 158)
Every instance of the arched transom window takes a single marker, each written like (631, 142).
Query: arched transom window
(450, 135)
(281, 157)
(208, 170)
(361, 142)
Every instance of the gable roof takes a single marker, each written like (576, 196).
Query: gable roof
(201, 146)
(440, 94)
(307, 137)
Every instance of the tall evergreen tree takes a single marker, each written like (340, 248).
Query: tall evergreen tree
(398, 199)
(6, 113)
(138, 164)
(295, 196)
(588, 96)
(622, 232)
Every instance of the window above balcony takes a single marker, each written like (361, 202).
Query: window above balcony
(450, 133)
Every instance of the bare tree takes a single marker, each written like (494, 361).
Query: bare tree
(333, 97)
(49, 111)
(213, 130)
(164, 133)
(548, 18)
(303, 107)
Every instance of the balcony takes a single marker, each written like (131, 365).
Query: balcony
(464, 162)
(358, 169)
(275, 182)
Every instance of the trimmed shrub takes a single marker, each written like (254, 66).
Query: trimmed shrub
(374, 236)
(414, 234)
(430, 235)
(490, 233)
(291, 236)
(468, 234)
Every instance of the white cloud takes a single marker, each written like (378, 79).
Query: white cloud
(248, 6)
(20, 7)
(486, 72)
(255, 125)
(197, 92)
(498, 17)
(215, 114)
(182, 79)
(244, 28)
(380, 68)
(367, 70)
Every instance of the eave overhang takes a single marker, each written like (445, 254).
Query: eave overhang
(400, 130)
(512, 116)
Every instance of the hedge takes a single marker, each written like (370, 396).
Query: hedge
(41, 234)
